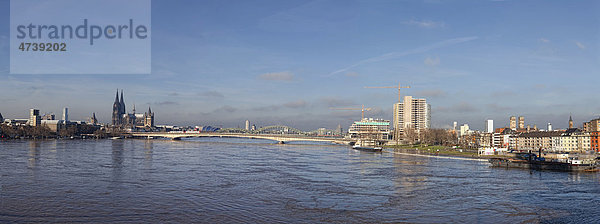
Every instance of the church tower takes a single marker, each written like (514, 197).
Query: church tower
(123, 111)
(116, 113)
(570, 122)
(149, 118)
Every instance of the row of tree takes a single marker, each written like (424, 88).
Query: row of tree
(38, 132)
(431, 137)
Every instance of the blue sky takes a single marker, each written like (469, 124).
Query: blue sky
(288, 62)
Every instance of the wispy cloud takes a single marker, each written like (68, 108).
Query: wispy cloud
(211, 94)
(418, 50)
(425, 23)
(296, 104)
(432, 61)
(277, 76)
(580, 45)
(336, 102)
(544, 40)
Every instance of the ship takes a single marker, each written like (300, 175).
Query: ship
(531, 161)
(367, 145)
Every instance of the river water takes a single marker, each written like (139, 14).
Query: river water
(221, 180)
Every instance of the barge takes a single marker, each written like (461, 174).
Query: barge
(530, 161)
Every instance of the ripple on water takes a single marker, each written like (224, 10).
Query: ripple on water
(230, 180)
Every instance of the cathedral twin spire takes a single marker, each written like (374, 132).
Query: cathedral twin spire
(120, 116)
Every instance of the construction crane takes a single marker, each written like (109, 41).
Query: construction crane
(399, 87)
(363, 109)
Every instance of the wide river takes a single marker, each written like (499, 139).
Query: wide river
(221, 180)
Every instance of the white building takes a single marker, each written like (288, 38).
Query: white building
(464, 130)
(370, 128)
(411, 113)
(489, 126)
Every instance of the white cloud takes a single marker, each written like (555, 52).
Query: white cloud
(429, 61)
(277, 76)
(425, 23)
(580, 45)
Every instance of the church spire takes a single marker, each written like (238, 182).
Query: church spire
(117, 96)
(122, 97)
(570, 121)
(123, 111)
(149, 110)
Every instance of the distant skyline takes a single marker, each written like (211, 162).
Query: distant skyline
(289, 62)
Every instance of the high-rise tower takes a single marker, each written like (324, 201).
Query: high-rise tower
(521, 122)
(513, 123)
(412, 113)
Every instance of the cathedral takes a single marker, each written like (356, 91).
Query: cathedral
(123, 119)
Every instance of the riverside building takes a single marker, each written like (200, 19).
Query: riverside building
(378, 129)
(411, 113)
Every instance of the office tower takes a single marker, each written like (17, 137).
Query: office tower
(454, 125)
(411, 113)
(549, 127)
(247, 125)
(513, 123)
(34, 117)
(489, 126)
(521, 122)
(65, 116)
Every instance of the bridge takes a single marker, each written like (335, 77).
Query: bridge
(278, 138)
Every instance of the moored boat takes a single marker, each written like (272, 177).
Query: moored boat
(531, 162)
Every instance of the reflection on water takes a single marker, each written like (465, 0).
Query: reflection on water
(148, 147)
(34, 154)
(219, 180)
(408, 178)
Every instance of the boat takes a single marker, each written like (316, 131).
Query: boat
(366, 145)
(531, 161)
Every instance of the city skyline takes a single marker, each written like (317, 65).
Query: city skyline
(290, 62)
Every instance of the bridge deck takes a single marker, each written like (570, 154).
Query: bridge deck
(279, 138)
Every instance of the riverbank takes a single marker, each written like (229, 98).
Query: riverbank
(442, 151)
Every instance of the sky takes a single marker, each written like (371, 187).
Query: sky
(220, 63)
